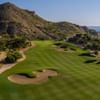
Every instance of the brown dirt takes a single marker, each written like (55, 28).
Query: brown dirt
(41, 77)
(2, 55)
(98, 55)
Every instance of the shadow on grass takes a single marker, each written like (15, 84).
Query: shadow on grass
(27, 75)
(98, 62)
(86, 54)
(90, 61)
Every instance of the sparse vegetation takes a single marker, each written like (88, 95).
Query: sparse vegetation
(86, 41)
(14, 42)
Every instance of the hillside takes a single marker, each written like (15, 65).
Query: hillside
(14, 20)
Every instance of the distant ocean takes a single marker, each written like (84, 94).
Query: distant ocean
(97, 28)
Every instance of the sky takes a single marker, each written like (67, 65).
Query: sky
(82, 12)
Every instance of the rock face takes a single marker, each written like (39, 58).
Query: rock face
(14, 20)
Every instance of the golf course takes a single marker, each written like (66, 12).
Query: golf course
(77, 78)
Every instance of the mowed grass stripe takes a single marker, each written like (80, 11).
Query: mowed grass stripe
(77, 80)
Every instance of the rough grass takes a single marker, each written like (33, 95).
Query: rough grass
(78, 80)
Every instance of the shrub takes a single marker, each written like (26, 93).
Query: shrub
(13, 42)
(12, 56)
(17, 55)
(10, 59)
(85, 41)
(17, 42)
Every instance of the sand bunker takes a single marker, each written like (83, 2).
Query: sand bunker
(41, 77)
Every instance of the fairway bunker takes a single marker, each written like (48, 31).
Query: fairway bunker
(40, 77)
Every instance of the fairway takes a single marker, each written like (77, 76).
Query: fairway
(77, 80)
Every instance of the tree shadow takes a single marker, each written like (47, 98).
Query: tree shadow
(86, 54)
(98, 62)
(90, 61)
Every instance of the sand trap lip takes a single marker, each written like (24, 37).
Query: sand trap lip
(41, 77)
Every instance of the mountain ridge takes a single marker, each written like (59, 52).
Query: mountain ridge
(15, 20)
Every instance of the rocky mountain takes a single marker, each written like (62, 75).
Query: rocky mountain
(14, 20)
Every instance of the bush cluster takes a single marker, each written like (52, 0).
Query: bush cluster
(14, 42)
(12, 56)
(85, 41)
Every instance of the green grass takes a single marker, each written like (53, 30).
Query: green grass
(78, 80)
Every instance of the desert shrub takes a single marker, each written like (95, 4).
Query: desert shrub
(3, 43)
(12, 57)
(17, 42)
(85, 41)
(17, 55)
(14, 42)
